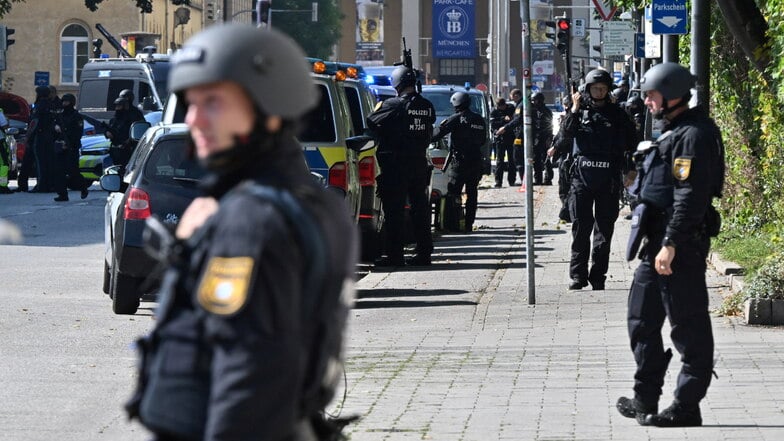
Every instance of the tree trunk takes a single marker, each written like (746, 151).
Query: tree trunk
(748, 26)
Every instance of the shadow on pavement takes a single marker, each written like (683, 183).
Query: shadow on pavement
(370, 304)
(400, 292)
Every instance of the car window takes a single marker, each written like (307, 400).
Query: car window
(170, 162)
(444, 107)
(160, 72)
(101, 93)
(320, 122)
(355, 108)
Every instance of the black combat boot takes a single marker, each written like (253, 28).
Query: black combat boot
(418, 260)
(62, 197)
(635, 408)
(677, 415)
(578, 284)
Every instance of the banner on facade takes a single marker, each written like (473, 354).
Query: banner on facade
(454, 29)
(370, 32)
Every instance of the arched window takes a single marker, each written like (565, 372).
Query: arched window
(74, 49)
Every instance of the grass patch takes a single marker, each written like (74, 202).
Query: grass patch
(748, 251)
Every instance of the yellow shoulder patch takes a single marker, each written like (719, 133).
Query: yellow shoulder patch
(224, 287)
(681, 168)
(378, 105)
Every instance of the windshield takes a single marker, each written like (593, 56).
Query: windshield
(160, 74)
(440, 100)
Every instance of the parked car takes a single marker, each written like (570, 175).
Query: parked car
(160, 180)
(361, 102)
(17, 110)
(439, 95)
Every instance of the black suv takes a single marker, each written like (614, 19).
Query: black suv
(160, 180)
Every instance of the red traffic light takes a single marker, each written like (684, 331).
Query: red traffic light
(563, 25)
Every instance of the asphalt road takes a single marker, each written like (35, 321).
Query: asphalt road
(66, 361)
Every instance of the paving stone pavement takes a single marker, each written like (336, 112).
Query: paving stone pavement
(455, 352)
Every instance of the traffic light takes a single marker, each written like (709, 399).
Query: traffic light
(264, 11)
(563, 35)
(550, 30)
(209, 10)
(5, 32)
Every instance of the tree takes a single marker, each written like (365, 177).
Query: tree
(317, 39)
(6, 5)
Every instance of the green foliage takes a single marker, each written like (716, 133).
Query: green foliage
(731, 304)
(6, 5)
(768, 282)
(748, 251)
(316, 39)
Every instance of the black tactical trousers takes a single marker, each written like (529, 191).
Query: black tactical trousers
(540, 165)
(683, 298)
(66, 172)
(398, 181)
(505, 161)
(591, 212)
(465, 173)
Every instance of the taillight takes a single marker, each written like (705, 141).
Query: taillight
(21, 146)
(367, 171)
(89, 132)
(338, 176)
(137, 206)
(438, 162)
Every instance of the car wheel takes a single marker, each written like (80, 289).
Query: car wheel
(107, 277)
(124, 292)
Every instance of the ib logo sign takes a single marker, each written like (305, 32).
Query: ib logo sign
(453, 22)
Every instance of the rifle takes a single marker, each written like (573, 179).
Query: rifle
(95, 121)
(409, 63)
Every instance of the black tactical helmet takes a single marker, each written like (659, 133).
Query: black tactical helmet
(403, 77)
(69, 97)
(127, 94)
(537, 98)
(120, 101)
(670, 79)
(460, 100)
(267, 64)
(42, 92)
(598, 76)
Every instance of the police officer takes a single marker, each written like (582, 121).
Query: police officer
(562, 145)
(242, 327)
(602, 135)
(134, 113)
(69, 130)
(680, 176)
(542, 133)
(469, 134)
(118, 132)
(504, 152)
(403, 126)
(515, 126)
(40, 139)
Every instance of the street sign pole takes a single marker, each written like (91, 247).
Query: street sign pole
(528, 180)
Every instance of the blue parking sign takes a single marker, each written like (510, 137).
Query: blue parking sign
(669, 17)
(41, 78)
(639, 45)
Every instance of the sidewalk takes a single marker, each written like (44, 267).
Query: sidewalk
(455, 352)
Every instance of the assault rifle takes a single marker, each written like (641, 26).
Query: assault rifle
(409, 63)
(95, 121)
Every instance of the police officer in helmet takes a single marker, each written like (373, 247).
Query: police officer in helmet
(134, 113)
(679, 177)
(245, 337)
(542, 132)
(403, 126)
(469, 134)
(603, 135)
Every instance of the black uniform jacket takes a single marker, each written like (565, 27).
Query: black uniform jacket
(403, 126)
(693, 144)
(72, 128)
(247, 275)
(469, 134)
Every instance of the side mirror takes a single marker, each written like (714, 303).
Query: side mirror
(357, 143)
(13, 131)
(138, 128)
(110, 182)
